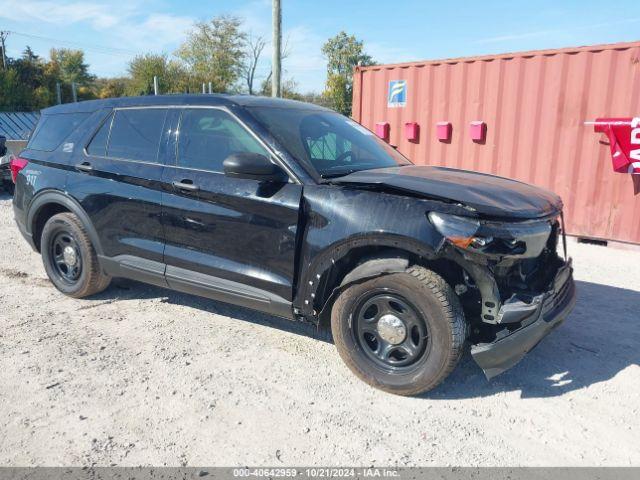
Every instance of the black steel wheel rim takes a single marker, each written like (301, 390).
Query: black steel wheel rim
(66, 259)
(390, 331)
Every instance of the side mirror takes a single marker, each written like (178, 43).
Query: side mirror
(253, 166)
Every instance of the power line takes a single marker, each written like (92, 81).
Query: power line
(96, 48)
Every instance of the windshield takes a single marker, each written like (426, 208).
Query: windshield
(329, 143)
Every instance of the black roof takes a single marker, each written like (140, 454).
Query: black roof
(180, 100)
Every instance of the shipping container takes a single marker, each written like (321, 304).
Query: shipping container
(518, 115)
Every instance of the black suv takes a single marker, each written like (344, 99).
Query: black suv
(297, 211)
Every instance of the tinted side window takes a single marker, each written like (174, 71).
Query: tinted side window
(98, 145)
(136, 133)
(209, 136)
(53, 129)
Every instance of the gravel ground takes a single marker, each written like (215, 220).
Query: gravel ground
(143, 376)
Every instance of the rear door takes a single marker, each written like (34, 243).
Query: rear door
(118, 183)
(227, 238)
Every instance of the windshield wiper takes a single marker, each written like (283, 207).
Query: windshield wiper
(334, 175)
(339, 174)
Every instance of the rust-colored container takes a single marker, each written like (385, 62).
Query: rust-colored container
(533, 106)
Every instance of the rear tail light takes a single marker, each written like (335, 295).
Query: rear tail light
(16, 164)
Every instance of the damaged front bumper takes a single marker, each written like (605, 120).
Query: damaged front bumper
(537, 318)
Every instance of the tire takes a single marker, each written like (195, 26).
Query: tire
(433, 323)
(78, 279)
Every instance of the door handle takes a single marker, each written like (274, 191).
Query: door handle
(186, 185)
(84, 167)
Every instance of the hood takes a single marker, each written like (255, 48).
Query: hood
(487, 194)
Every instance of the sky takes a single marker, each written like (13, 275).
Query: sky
(393, 31)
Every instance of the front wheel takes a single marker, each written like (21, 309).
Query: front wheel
(69, 257)
(402, 332)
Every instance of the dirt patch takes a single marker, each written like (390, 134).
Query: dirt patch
(23, 277)
(12, 273)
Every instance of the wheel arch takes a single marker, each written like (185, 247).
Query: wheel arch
(356, 260)
(51, 202)
(352, 260)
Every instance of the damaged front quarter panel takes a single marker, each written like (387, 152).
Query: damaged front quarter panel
(346, 226)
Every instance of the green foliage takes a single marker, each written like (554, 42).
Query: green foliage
(29, 82)
(13, 94)
(24, 84)
(144, 67)
(343, 53)
(289, 89)
(215, 52)
(70, 66)
(338, 93)
(111, 87)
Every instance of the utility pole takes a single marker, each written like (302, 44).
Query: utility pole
(58, 93)
(276, 88)
(155, 85)
(74, 92)
(3, 36)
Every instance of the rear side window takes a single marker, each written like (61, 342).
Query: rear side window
(135, 134)
(53, 129)
(98, 145)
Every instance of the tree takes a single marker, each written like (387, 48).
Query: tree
(24, 85)
(30, 56)
(343, 53)
(215, 52)
(112, 87)
(289, 88)
(255, 46)
(144, 67)
(29, 82)
(14, 96)
(286, 51)
(30, 69)
(338, 93)
(70, 66)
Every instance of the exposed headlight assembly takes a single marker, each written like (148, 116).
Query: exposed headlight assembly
(522, 239)
(460, 231)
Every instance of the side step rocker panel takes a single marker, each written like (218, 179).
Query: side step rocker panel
(196, 283)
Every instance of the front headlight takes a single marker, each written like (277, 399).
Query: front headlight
(458, 230)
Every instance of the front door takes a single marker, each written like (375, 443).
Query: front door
(227, 238)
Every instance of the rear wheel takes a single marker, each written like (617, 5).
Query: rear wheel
(403, 332)
(69, 257)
